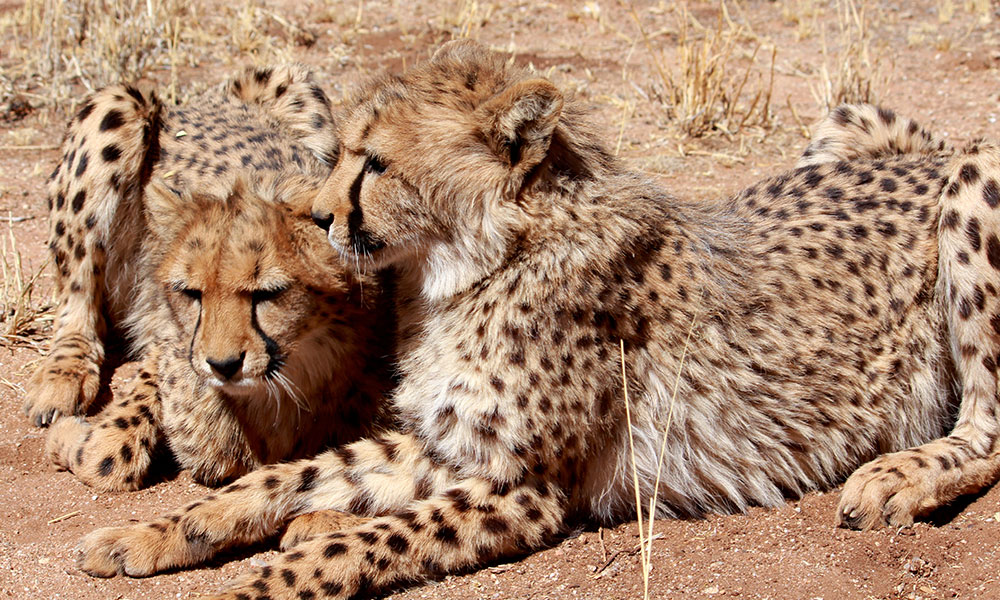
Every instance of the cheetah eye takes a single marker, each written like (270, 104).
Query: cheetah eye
(191, 293)
(258, 296)
(374, 165)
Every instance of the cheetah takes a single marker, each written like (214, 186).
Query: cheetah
(771, 343)
(189, 229)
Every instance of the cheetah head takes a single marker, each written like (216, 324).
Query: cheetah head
(435, 165)
(256, 295)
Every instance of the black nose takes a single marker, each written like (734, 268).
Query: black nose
(324, 221)
(226, 368)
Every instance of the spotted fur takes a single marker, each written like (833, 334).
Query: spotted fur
(855, 131)
(772, 343)
(192, 233)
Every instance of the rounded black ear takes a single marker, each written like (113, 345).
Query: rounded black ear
(519, 121)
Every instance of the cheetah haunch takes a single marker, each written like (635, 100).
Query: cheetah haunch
(831, 310)
(256, 345)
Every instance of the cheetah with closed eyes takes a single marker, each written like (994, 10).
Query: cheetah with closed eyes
(188, 227)
(820, 319)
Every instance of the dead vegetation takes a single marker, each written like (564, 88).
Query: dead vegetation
(57, 47)
(708, 92)
(857, 69)
(23, 320)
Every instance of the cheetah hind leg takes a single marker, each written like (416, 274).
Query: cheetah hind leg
(862, 131)
(894, 489)
(117, 452)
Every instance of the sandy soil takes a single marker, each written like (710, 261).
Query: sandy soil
(947, 75)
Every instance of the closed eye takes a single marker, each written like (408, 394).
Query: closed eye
(258, 296)
(374, 165)
(191, 293)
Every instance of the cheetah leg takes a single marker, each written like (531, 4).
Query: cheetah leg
(115, 453)
(311, 524)
(862, 131)
(467, 526)
(366, 478)
(95, 221)
(896, 488)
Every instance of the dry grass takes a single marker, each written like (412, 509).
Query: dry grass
(857, 70)
(709, 93)
(981, 9)
(22, 320)
(804, 14)
(646, 536)
(60, 47)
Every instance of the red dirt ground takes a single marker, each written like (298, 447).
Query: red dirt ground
(946, 75)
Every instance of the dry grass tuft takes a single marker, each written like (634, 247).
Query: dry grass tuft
(804, 14)
(22, 321)
(59, 48)
(59, 45)
(857, 71)
(710, 94)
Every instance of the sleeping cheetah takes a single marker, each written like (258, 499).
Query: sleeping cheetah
(255, 345)
(772, 343)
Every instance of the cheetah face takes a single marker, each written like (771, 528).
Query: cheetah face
(432, 164)
(236, 277)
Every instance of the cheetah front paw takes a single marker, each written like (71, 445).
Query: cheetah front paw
(306, 526)
(138, 550)
(891, 490)
(61, 387)
(67, 436)
(106, 459)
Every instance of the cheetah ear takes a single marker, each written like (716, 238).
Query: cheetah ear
(164, 206)
(462, 49)
(519, 121)
(296, 193)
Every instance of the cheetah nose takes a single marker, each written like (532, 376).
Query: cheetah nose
(324, 221)
(226, 368)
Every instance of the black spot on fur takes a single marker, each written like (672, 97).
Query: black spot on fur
(136, 95)
(81, 166)
(112, 120)
(85, 111)
(969, 173)
(104, 469)
(111, 153)
(496, 525)
(78, 200)
(972, 231)
(447, 534)
(320, 96)
(993, 251)
(262, 76)
(991, 193)
(397, 543)
(307, 479)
